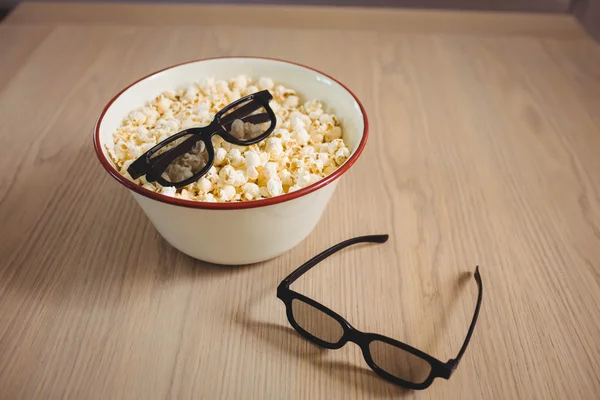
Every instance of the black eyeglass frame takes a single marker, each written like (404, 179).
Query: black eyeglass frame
(153, 168)
(364, 339)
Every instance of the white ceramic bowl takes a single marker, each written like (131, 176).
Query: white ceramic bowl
(240, 232)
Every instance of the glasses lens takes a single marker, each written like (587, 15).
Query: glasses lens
(192, 157)
(171, 143)
(246, 121)
(316, 322)
(399, 363)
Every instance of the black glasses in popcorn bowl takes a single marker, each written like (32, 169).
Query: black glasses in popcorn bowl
(391, 359)
(186, 156)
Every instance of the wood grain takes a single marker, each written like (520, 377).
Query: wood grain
(327, 18)
(484, 150)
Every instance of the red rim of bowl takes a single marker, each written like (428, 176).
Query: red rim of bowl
(238, 204)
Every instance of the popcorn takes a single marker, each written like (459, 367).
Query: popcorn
(240, 82)
(222, 87)
(264, 158)
(237, 129)
(308, 152)
(220, 154)
(239, 178)
(188, 123)
(173, 124)
(314, 115)
(212, 175)
(185, 194)
(291, 102)
(274, 148)
(170, 94)
(326, 119)
(334, 133)
(210, 198)
(227, 193)
(250, 90)
(205, 185)
(235, 157)
(264, 191)
(317, 137)
(191, 93)
(234, 95)
(316, 166)
(252, 173)
(334, 145)
(296, 165)
(283, 163)
(203, 111)
(144, 147)
(137, 117)
(265, 83)
(163, 105)
(252, 160)
(274, 186)
(134, 150)
(270, 171)
(150, 113)
(282, 92)
(329, 169)
(283, 134)
(324, 158)
(297, 123)
(306, 145)
(226, 174)
(302, 137)
(286, 177)
(250, 191)
(341, 155)
(303, 179)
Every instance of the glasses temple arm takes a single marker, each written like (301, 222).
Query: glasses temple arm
(334, 249)
(473, 321)
(244, 110)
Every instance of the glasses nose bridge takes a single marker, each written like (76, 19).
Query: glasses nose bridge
(210, 130)
(354, 335)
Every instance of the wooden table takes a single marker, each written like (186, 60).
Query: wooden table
(485, 149)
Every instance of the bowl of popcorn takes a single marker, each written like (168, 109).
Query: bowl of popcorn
(255, 202)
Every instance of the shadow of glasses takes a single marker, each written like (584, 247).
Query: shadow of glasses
(435, 340)
(286, 339)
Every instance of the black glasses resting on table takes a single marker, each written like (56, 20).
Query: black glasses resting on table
(395, 361)
(186, 156)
